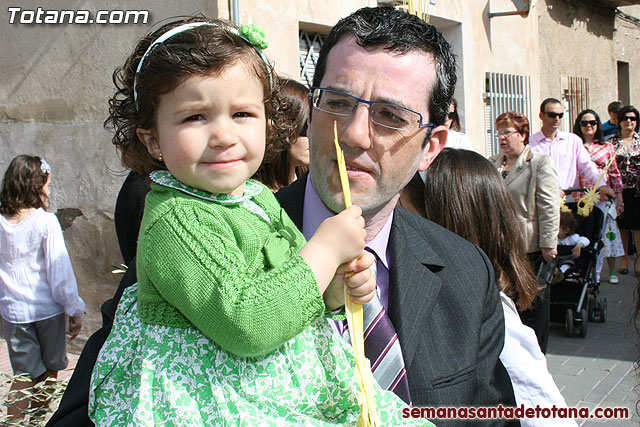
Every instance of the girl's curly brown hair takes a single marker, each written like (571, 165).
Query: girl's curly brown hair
(22, 185)
(206, 50)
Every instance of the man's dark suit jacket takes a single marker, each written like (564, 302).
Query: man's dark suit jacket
(446, 310)
(442, 301)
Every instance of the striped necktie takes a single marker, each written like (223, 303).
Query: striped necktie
(382, 348)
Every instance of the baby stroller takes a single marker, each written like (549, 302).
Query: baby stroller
(576, 298)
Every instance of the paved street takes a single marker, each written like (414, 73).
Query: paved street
(597, 371)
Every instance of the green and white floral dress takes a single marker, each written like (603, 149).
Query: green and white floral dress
(226, 325)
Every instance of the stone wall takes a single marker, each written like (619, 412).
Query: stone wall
(583, 39)
(53, 101)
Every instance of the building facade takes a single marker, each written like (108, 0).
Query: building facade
(57, 80)
(589, 54)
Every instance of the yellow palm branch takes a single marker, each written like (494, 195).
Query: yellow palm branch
(364, 378)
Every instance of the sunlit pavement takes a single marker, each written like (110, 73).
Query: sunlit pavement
(597, 371)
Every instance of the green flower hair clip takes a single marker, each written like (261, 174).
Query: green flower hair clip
(254, 35)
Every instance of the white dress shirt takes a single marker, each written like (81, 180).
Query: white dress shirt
(527, 367)
(36, 277)
(569, 156)
(458, 140)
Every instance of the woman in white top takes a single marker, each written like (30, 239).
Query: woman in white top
(465, 194)
(37, 284)
(455, 138)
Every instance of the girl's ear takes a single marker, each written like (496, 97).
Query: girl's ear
(149, 140)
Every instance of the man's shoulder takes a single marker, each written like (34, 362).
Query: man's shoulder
(293, 192)
(537, 139)
(417, 231)
(291, 199)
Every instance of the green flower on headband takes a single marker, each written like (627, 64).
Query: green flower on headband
(254, 35)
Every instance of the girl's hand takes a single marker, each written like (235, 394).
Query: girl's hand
(342, 235)
(338, 240)
(357, 277)
(605, 190)
(619, 204)
(75, 324)
(576, 250)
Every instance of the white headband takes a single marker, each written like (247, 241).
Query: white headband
(44, 166)
(252, 34)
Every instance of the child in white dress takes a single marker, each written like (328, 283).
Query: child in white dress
(37, 284)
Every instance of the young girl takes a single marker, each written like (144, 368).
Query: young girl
(226, 326)
(568, 238)
(37, 284)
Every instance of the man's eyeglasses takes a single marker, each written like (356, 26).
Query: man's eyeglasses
(504, 133)
(381, 113)
(554, 115)
(632, 118)
(585, 123)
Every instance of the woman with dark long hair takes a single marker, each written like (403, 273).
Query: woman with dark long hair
(589, 128)
(293, 161)
(627, 146)
(464, 193)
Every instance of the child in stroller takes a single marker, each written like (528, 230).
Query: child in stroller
(574, 295)
(568, 238)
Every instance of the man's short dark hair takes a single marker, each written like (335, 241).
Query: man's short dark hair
(614, 107)
(400, 32)
(548, 101)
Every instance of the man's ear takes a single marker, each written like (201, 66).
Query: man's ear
(435, 145)
(149, 140)
(540, 115)
(309, 124)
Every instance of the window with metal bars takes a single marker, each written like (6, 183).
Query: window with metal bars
(310, 44)
(575, 98)
(504, 92)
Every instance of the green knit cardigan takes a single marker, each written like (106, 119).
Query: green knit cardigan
(225, 270)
